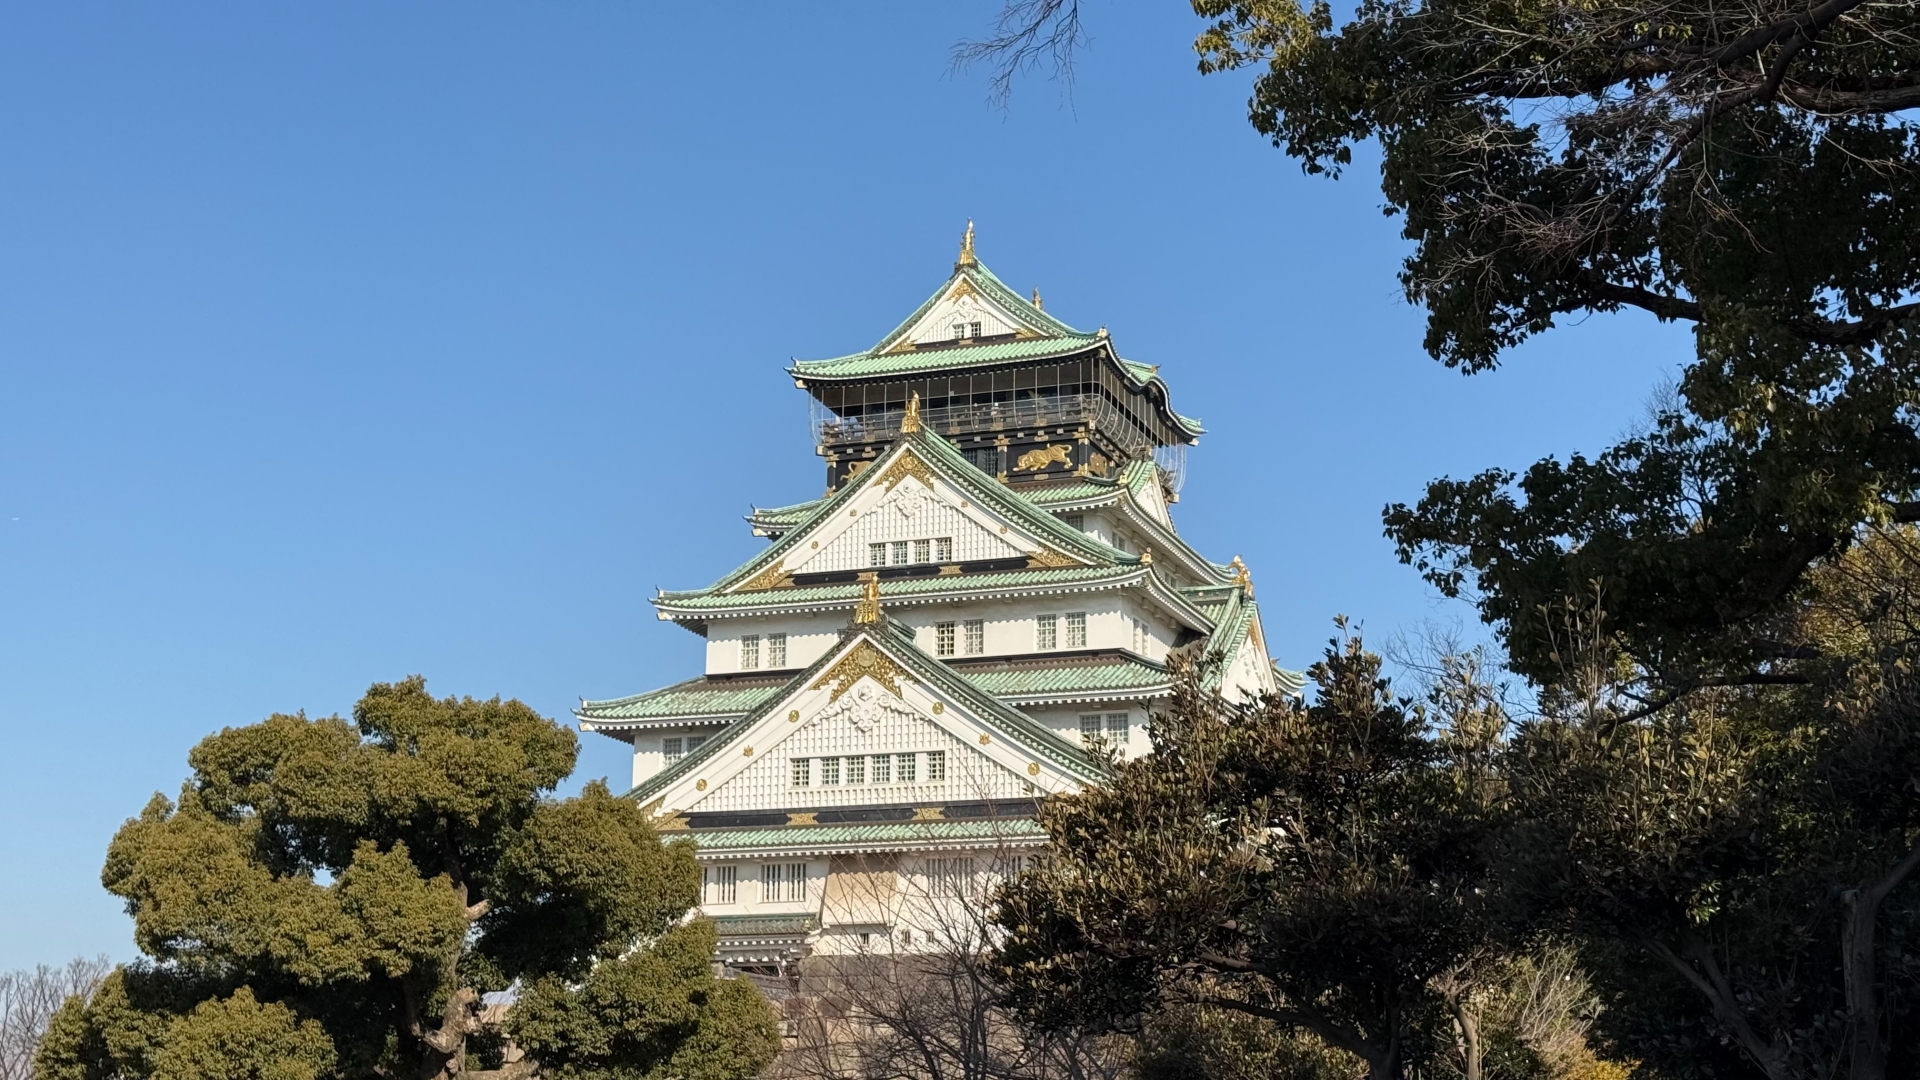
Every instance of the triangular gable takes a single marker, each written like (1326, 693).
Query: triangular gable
(972, 294)
(920, 488)
(875, 694)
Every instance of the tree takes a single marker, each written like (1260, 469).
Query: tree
(28, 1000)
(1317, 867)
(1743, 862)
(329, 899)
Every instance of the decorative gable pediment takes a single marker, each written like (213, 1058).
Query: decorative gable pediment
(861, 728)
(962, 312)
(903, 500)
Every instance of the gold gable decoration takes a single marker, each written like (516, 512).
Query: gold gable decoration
(1047, 559)
(863, 661)
(773, 577)
(904, 466)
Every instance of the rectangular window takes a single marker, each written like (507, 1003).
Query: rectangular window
(1117, 728)
(943, 549)
(1074, 521)
(1090, 730)
(802, 772)
(1076, 629)
(829, 771)
(936, 766)
(876, 554)
(1141, 637)
(856, 770)
(903, 764)
(783, 881)
(950, 877)
(694, 741)
(749, 652)
(899, 553)
(674, 748)
(973, 329)
(976, 635)
(1046, 631)
(922, 551)
(943, 639)
(776, 650)
(882, 769)
(722, 884)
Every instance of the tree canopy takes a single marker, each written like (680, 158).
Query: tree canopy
(333, 898)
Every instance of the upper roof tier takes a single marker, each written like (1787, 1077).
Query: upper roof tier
(975, 324)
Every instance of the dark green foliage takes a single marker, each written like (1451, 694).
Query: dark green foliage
(1317, 866)
(1747, 168)
(331, 899)
(654, 1014)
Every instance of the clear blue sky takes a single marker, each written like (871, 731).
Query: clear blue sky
(342, 341)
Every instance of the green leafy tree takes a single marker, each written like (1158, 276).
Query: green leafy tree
(332, 899)
(1744, 861)
(1316, 867)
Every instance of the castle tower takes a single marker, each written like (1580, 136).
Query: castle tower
(978, 611)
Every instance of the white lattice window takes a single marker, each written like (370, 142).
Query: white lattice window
(694, 741)
(943, 639)
(936, 766)
(950, 877)
(776, 650)
(829, 771)
(903, 764)
(899, 553)
(749, 652)
(722, 884)
(877, 554)
(1046, 632)
(856, 770)
(1090, 729)
(1076, 629)
(975, 632)
(882, 769)
(942, 549)
(1117, 728)
(1074, 521)
(973, 329)
(922, 551)
(959, 331)
(674, 748)
(783, 881)
(802, 772)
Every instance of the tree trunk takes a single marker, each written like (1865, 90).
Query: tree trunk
(1468, 1022)
(1860, 961)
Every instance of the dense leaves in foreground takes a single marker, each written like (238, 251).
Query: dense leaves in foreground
(332, 899)
(1736, 871)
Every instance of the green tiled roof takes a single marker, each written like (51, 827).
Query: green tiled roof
(759, 926)
(893, 588)
(1020, 680)
(942, 358)
(695, 697)
(784, 516)
(877, 833)
(1047, 337)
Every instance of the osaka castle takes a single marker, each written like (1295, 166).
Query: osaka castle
(981, 611)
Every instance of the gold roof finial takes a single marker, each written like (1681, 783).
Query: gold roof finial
(910, 423)
(1241, 575)
(1036, 299)
(966, 248)
(867, 611)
